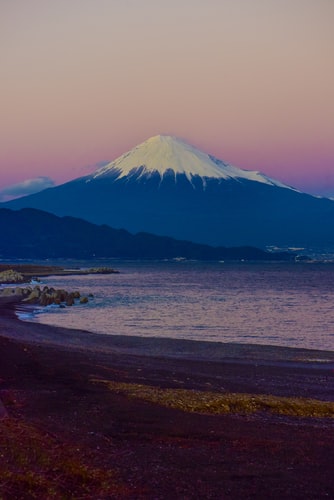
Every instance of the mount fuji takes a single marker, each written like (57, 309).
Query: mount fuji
(167, 187)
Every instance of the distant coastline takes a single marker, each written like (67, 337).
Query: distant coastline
(69, 237)
(36, 271)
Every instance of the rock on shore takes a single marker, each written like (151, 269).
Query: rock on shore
(43, 296)
(11, 276)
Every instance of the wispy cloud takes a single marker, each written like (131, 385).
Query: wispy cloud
(95, 166)
(102, 163)
(29, 186)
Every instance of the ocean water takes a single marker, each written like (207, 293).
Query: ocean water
(284, 304)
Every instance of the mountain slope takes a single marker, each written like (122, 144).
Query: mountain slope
(167, 187)
(166, 155)
(31, 233)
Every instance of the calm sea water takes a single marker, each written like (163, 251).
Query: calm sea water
(279, 304)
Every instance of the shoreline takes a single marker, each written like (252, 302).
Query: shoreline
(255, 368)
(55, 394)
(283, 371)
(250, 368)
(198, 350)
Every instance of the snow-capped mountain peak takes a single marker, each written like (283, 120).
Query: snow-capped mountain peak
(163, 153)
(169, 188)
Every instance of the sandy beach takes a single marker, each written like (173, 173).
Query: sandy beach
(84, 391)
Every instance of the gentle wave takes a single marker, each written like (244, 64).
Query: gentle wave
(278, 304)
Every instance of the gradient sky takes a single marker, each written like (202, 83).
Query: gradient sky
(249, 81)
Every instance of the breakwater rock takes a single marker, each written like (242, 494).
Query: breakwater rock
(11, 276)
(44, 296)
(19, 273)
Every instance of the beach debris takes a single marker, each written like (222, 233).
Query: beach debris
(220, 403)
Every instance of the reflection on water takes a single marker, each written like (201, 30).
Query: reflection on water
(278, 304)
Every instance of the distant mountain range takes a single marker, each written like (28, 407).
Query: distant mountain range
(31, 233)
(167, 187)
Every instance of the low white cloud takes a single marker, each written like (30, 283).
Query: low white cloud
(26, 187)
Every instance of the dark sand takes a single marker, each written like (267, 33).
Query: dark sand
(166, 453)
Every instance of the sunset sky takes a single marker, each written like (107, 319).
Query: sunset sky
(249, 81)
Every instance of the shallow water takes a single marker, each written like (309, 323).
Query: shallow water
(287, 304)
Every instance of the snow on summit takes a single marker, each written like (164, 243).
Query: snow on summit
(163, 152)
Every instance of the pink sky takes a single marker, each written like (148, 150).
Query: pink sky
(249, 81)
